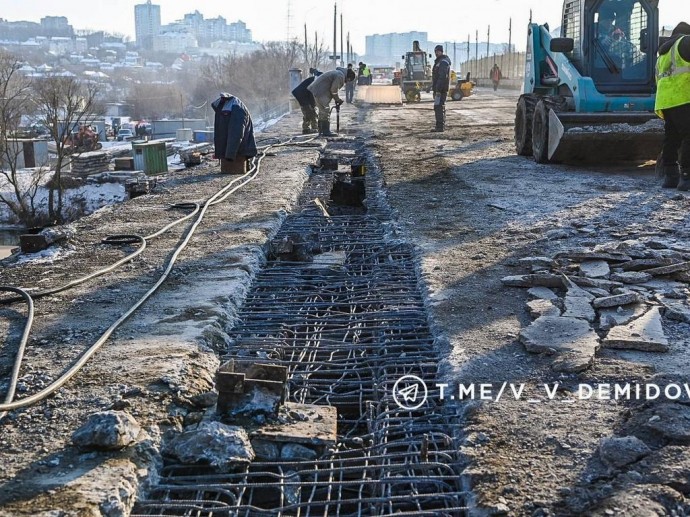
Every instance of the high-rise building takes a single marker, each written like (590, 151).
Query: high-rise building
(147, 22)
(56, 26)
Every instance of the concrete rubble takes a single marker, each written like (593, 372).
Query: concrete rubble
(623, 296)
(108, 430)
(212, 443)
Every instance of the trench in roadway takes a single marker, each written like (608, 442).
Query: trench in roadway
(347, 328)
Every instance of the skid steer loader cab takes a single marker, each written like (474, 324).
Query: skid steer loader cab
(589, 94)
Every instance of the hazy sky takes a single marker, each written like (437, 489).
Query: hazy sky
(449, 20)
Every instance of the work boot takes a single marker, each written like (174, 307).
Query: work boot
(671, 176)
(307, 131)
(326, 128)
(684, 183)
(440, 126)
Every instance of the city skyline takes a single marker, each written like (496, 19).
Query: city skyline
(268, 19)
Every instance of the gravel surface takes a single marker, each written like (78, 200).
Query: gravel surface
(473, 209)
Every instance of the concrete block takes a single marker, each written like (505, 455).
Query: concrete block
(645, 333)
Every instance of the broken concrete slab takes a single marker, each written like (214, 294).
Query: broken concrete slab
(561, 335)
(675, 309)
(597, 293)
(543, 262)
(539, 307)
(610, 317)
(599, 283)
(631, 277)
(302, 423)
(670, 466)
(542, 293)
(668, 270)
(579, 306)
(617, 452)
(645, 333)
(580, 256)
(664, 284)
(107, 430)
(671, 421)
(595, 269)
(648, 263)
(534, 280)
(616, 300)
(222, 446)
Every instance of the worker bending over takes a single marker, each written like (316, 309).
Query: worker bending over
(325, 88)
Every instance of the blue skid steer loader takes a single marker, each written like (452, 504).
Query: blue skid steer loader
(589, 94)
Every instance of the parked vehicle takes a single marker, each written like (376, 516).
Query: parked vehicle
(124, 134)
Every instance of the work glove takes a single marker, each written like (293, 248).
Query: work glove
(338, 101)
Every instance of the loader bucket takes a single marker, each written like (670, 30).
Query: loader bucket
(604, 137)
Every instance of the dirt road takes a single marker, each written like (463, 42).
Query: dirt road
(474, 211)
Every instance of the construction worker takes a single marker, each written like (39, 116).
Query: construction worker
(495, 76)
(233, 134)
(366, 72)
(440, 79)
(325, 88)
(350, 84)
(360, 73)
(307, 103)
(673, 105)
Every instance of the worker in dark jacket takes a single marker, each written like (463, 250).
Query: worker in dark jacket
(350, 78)
(440, 80)
(673, 105)
(307, 103)
(233, 134)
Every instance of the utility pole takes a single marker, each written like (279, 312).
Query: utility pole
(476, 53)
(510, 48)
(306, 45)
(335, 34)
(488, 39)
(455, 57)
(289, 19)
(349, 48)
(341, 40)
(468, 47)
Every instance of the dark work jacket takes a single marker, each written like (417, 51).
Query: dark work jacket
(304, 96)
(440, 74)
(233, 133)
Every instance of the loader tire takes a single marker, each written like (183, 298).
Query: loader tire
(457, 95)
(540, 133)
(523, 124)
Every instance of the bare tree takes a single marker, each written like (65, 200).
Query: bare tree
(260, 79)
(15, 92)
(154, 101)
(65, 104)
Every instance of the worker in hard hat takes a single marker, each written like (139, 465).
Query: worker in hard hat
(440, 80)
(325, 88)
(673, 105)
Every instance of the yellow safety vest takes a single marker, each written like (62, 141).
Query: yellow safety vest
(672, 79)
